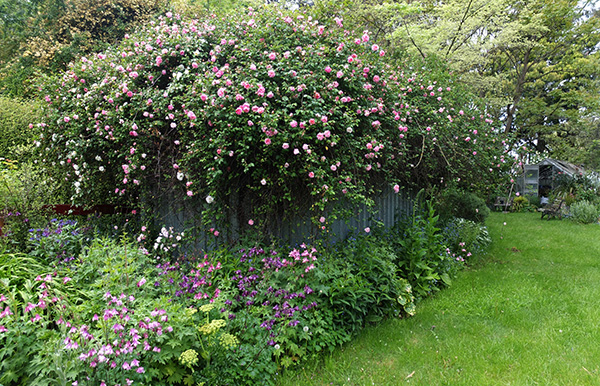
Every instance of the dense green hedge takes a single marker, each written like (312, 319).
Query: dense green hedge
(15, 117)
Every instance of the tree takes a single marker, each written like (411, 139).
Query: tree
(534, 61)
(43, 36)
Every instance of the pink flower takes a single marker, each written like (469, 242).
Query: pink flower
(190, 193)
(267, 141)
(333, 168)
(271, 73)
(191, 115)
(250, 222)
(396, 188)
(141, 282)
(324, 119)
(285, 145)
(216, 233)
(375, 47)
(328, 69)
(272, 56)
(311, 175)
(294, 124)
(322, 219)
(367, 230)
(339, 74)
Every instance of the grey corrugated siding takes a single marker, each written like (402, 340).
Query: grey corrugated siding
(385, 210)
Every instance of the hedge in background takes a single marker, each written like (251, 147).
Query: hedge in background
(15, 118)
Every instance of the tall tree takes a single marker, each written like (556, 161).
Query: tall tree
(534, 61)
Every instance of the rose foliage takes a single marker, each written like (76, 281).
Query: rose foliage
(263, 114)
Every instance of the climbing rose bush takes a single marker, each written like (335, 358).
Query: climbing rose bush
(265, 114)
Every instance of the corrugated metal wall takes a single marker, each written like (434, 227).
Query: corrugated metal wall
(386, 209)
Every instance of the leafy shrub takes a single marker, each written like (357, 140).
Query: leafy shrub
(15, 118)
(422, 256)
(456, 203)
(24, 190)
(520, 204)
(360, 283)
(185, 107)
(465, 238)
(584, 212)
(534, 201)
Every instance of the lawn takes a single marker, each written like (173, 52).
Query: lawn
(527, 313)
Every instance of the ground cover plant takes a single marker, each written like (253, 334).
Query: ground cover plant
(525, 313)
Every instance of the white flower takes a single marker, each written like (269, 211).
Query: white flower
(101, 168)
(210, 199)
(349, 130)
(305, 328)
(277, 347)
(180, 176)
(263, 182)
(98, 158)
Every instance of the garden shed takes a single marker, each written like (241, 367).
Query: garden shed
(541, 178)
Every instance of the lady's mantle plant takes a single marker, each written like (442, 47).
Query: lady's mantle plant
(273, 114)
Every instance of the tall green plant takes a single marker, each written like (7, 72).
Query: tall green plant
(423, 258)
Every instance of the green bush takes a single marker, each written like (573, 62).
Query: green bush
(361, 283)
(456, 203)
(24, 190)
(584, 212)
(520, 204)
(295, 118)
(15, 118)
(423, 259)
(465, 238)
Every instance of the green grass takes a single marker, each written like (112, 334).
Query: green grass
(528, 313)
